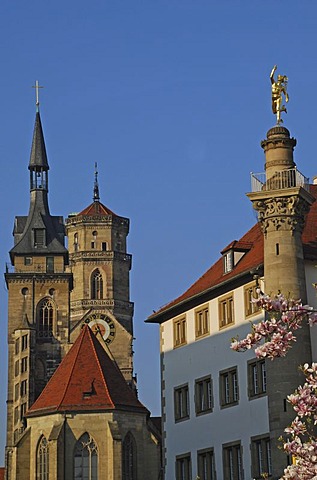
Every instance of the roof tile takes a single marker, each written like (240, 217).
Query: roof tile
(86, 380)
(252, 241)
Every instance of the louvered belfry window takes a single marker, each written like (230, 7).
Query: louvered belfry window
(39, 237)
(96, 285)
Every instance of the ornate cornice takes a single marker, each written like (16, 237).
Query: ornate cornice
(110, 302)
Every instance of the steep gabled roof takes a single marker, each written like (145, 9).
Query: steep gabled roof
(86, 380)
(252, 243)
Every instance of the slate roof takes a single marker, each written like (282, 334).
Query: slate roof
(86, 380)
(38, 157)
(39, 216)
(252, 243)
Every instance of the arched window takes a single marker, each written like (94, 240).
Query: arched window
(86, 459)
(45, 319)
(76, 242)
(96, 285)
(129, 461)
(42, 460)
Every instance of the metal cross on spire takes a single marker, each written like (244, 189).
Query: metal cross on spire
(96, 186)
(37, 87)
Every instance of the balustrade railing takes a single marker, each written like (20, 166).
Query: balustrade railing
(279, 180)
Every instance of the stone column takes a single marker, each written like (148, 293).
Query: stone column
(282, 204)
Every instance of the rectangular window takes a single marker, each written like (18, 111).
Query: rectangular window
(39, 237)
(206, 464)
(16, 391)
(104, 246)
(228, 262)
(24, 364)
(22, 411)
(92, 245)
(181, 403)
(226, 311)
(179, 326)
(28, 260)
(249, 306)
(49, 264)
(16, 368)
(232, 461)
(203, 395)
(228, 384)
(23, 388)
(261, 457)
(17, 346)
(256, 378)
(202, 321)
(24, 342)
(16, 414)
(183, 467)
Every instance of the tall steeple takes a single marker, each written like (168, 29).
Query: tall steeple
(38, 297)
(39, 233)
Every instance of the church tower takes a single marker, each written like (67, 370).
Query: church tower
(38, 298)
(72, 408)
(100, 264)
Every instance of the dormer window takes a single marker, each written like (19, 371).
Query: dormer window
(228, 262)
(233, 253)
(39, 237)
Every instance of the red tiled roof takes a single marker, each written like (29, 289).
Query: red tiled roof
(252, 241)
(86, 380)
(2, 472)
(96, 208)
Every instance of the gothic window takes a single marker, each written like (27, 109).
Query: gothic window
(76, 242)
(86, 459)
(42, 460)
(45, 319)
(96, 285)
(129, 461)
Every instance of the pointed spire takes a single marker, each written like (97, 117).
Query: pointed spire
(38, 156)
(96, 197)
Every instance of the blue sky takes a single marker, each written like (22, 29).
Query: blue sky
(172, 99)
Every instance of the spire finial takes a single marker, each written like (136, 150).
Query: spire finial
(96, 186)
(37, 87)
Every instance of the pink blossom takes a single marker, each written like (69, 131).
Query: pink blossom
(271, 338)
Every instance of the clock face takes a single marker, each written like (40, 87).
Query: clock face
(103, 325)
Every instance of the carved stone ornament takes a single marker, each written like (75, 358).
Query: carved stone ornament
(282, 213)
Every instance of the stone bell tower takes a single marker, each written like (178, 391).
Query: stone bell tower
(282, 199)
(100, 264)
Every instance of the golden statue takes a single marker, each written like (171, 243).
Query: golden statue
(278, 88)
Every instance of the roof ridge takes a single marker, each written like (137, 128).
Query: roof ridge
(72, 369)
(98, 363)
